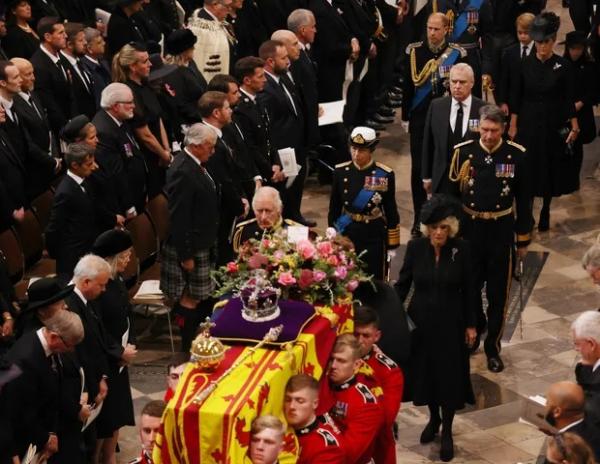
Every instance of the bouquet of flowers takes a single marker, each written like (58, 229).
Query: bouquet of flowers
(318, 271)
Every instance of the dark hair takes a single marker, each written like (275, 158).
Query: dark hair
(72, 29)
(46, 25)
(246, 67)
(177, 360)
(220, 83)
(492, 113)
(268, 49)
(366, 315)
(3, 65)
(210, 101)
(154, 408)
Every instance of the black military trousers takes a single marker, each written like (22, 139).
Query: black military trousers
(372, 239)
(491, 250)
(419, 196)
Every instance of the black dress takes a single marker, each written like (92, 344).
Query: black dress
(442, 307)
(114, 309)
(148, 111)
(543, 98)
(19, 43)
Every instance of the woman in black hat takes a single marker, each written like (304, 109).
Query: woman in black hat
(586, 96)
(443, 311)
(543, 117)
(21, 40)
(115, 310)
(80, 129)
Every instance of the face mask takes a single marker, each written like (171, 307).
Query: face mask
(550, 418)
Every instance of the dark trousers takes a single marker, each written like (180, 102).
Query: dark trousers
(491, 245)
(372, 239)
(580, 12)
(416, 179)
(292, 196)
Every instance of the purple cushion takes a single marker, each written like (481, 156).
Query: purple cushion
(231, 326)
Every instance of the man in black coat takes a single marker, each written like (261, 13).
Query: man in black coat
(94, 63)
(123, 27)
(586, 338)
(53, 78)
(36, 390)
(76, 218)
(121, 165)
(440, 133)
(12, 179)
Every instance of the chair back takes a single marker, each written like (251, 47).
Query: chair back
(41, 206)
(158, 209)
(144, 238)
(12, 254)
(30, 234)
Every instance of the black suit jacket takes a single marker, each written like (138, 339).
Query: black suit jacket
(121, 175)
(54, 90)
(85, 99)
(304, 72)
(12, 175)
(192, 228)
(437, 148)
(36, 392)
(510, 72)
(100, 73)
(76, 219)
(189, 85)
(35, 122)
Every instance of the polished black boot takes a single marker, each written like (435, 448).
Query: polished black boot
(544, 222)
(447, 448)
(433, 426)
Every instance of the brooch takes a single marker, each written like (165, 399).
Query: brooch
(506, 190)
(488, 159)
(376, 198)
(454, 252)
(556, 66)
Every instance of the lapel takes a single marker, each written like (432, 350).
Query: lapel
(334, 13)
(24, 109)
(200, 178)
(447, 102)
(10, 151)
(280, 93)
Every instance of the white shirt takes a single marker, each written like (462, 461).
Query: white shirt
(528, 48)
(40, 334)
(196, 160)
(55, 59)
(7, 105)
(117, 122)
(216, 129)
(77, 291)
(212, 15)
(75, 177)
(466, 105)
(250, 96)
(572, 424)
(596, 365)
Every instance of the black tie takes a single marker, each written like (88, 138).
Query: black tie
(524, 52)
(458, 123)
(33, 105)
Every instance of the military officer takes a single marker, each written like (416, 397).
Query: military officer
(363, 205)
(491, 175)
(429, 69)
(471, 26)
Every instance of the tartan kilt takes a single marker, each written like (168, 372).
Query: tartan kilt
(174, 280)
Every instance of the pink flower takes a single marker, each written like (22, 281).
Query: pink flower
(325, 248)
(351, 286)
(306, 278)
(232, 267)
(278, 255)
(333, 260)
(330, 233)
(265, 243)
(318, 276)
(286, 279)
(256, 261)
(351, 265)
(340, 272)
(306, 249)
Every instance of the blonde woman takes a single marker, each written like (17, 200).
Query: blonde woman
(443, 310)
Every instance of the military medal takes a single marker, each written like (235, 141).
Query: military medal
(505, 170)
(128, 151)
(376, 198)
(472, 19)
(488, 160)
(506, 190)
(376, 184)
(474, 125)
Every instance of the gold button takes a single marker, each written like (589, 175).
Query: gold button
(366, 221)
(509, 156)
(372, 172)
(471, 192)
(345, 191)
(470, 156)
(497, 206)
(347, 168)
(345, 179)
(345, 202)
(504, 182)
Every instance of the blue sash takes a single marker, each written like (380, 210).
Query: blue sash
(359, 203)
(426, 88)
(460, 24)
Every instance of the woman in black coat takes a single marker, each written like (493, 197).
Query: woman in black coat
(114, 309)
(586, 96)
(443, 311)
(20, 40)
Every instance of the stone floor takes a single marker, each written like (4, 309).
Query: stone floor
(537, 353)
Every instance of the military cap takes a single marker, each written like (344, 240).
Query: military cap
(363, 137)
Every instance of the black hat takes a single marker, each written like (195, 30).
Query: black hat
(127, 2)
(179, 41)
(544, 26)
(159, 68)
(152, 47)
(14, 3)
(46, 291)
(438, 208)
(575, 38)
(111, 243)
(363, 137)
(73, 128)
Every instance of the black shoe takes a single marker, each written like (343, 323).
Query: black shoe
(447, 448)
(386, 111)
(544, 223)
(396, 89)
(394, 103)
(306, 222)
(495, 364)
(380, 118)
(473, 348)
(430, 431)
(374, 125)
(415, 232)
(395, 95)
(385, 107)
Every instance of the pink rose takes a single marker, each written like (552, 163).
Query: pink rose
(286, 279)
(232, 267)
(256, 261)
(306, 278)
(318, 276)
(325, 248)
(306, 249)
(278, 255)
(340, 272)
(351, 265)
(265, 243)
(333, 260)
(351, 286)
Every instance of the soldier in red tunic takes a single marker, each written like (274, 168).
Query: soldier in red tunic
(149, 427)
(318, 436)
(351, 404)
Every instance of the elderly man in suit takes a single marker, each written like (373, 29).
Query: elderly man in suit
(94, 62)
(449, 121)
(122, 169)
(76, 218)
(188, 254)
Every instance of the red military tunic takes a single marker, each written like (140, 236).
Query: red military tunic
(359, 417)
(320, 443)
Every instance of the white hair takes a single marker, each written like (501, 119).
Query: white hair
(299, 18)
(591, 258)
(90, 267)
(67, 325)
(268, 193)
(199, 133)
(463, 67)
(113, 94)
(587, 325)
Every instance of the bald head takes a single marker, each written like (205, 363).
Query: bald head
(26, 71)
(290, 40)
(566, 395)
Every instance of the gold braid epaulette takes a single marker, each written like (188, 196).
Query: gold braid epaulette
(459, 175)
(419, 78)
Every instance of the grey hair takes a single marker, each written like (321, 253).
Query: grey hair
(464, 67)
(492, 113)
(591, 258)
(199, 133)
(268, 192)
(77, 153)
(90, 267)
(587, 325)
(298, 18)
(283, 35)
(67, 325)
(452, 223)
(113, 94)
(91, 33)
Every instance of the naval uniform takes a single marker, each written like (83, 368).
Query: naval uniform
(490, 182)
(426, 79)
(246, 230)
(363, 208)
(320, 442)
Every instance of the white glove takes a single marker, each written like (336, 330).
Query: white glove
(404, 125)
(391, 254)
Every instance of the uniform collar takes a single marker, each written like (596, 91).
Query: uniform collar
(493, 149)
(438, 48)
(309, 428)
(345, 385)
(368, 166)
